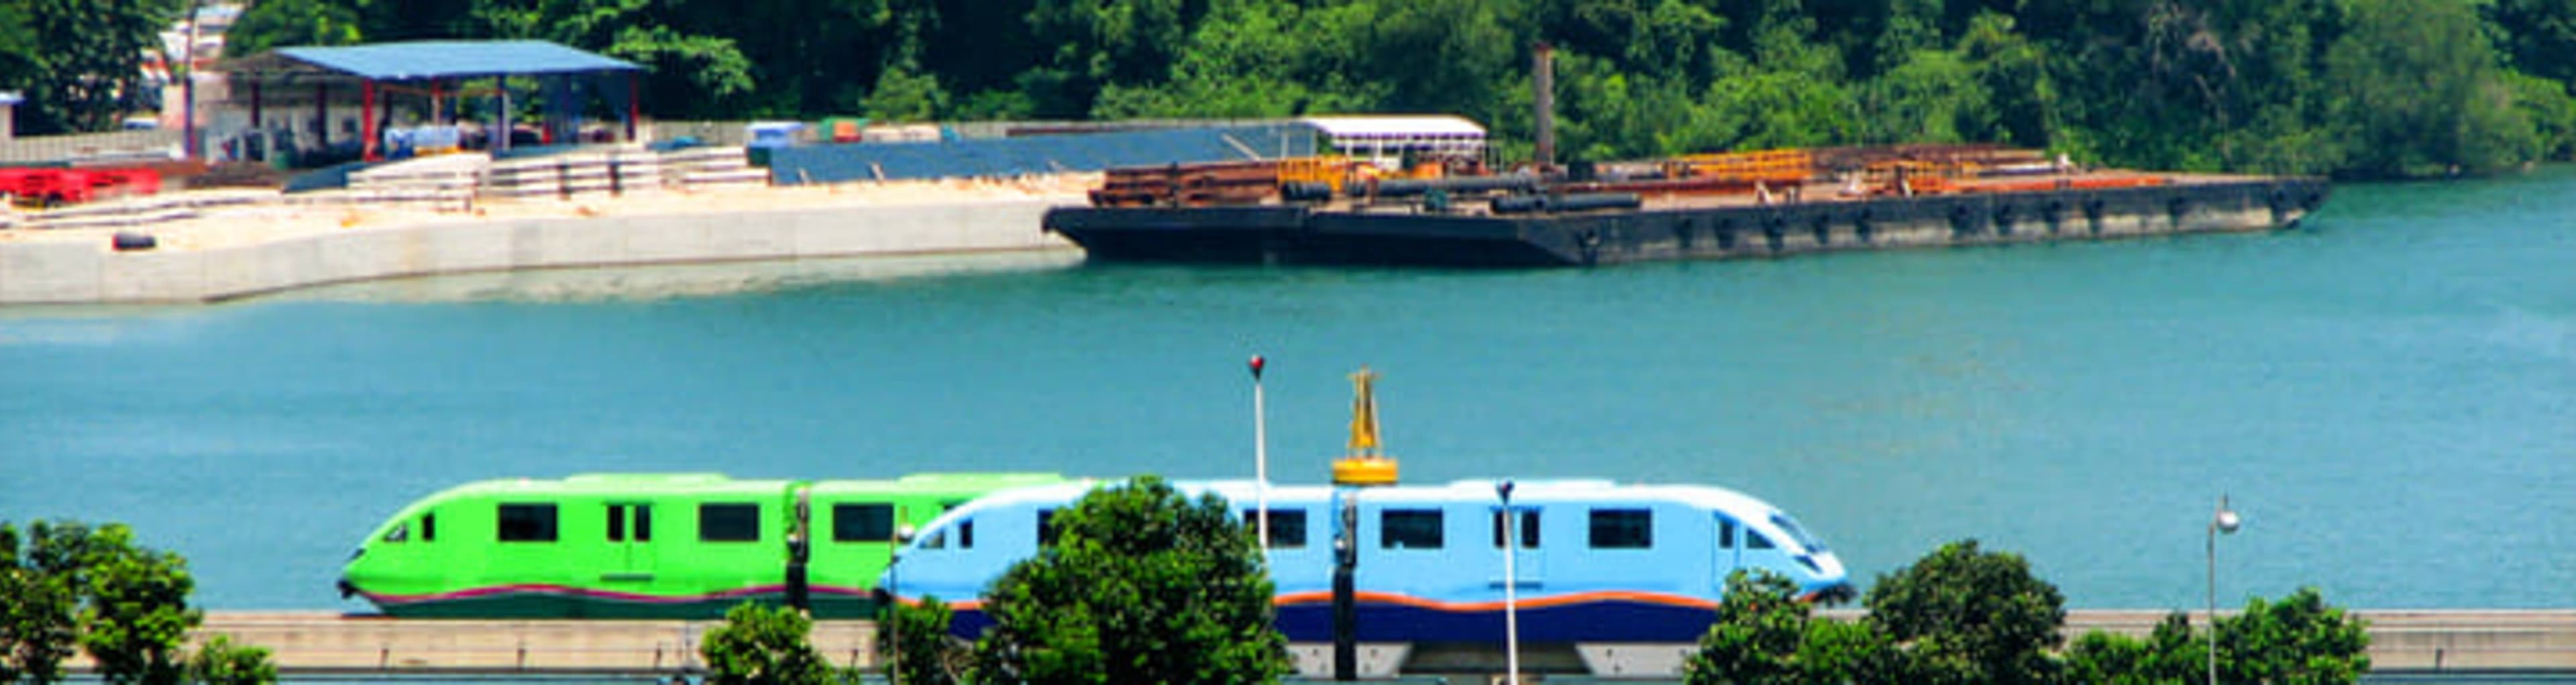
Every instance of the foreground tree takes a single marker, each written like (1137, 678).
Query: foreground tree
(221, 662)
(2299, 639)
(1963, 615)
(1766, 636)
(71, 585)
(763, 645)
(1139, 586)
(916, 648)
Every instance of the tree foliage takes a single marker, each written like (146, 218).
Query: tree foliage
(2299, 639)
(920, 650)
(1140, 586)
(220, 662)
(1965, 615)
(79, 62)
(2369, 88)
(1765, 635)
(764, 645)
(72, 586)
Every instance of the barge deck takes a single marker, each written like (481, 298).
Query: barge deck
(1487, 227)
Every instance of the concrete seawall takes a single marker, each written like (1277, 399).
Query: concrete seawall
(57, 271)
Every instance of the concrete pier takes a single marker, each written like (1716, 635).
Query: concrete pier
(2402, 642)
(47, 269)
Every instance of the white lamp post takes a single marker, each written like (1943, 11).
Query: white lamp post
(1511, 593)
(1260, 461)
(2225, 521)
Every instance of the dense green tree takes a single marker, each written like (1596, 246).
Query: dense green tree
(1765, 635)
(764, 645)
(276, 24)
(220, 662)
(1140, 586)
(43, 579)
(136, 623)
(2299, 639)
(2418, 80)
(1965, 615)
(2173, 653)
(916, 645)
(83, 60)
(71, 585)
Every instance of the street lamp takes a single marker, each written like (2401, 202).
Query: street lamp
(1260, 461)
(2225, 521)
(1511, 594)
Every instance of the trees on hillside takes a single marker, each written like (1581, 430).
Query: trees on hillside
(2361, 87)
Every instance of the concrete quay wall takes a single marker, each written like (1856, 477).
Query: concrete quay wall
(89, 272)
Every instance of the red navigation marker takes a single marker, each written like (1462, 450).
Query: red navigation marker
(1256, 367)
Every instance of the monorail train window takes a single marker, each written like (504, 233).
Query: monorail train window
(1046, 527)
(624, 519)
(966, 534)
(1753, 539)
(1287, 527)
(400, 533)
(428, 527)
(1623, 528)
(1409, 529)
(1528, 527)
(527, 523)
(728, 523)
(1798, 534)
(1725, 533)
(862, 522)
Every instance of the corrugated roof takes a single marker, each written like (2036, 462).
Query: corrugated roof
(454, 58)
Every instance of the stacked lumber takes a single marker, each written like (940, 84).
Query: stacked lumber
(699, 168)
(443, 183)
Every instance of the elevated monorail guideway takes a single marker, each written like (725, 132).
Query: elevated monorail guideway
(2411, 642)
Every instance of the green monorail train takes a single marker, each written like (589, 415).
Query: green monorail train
(649, 545)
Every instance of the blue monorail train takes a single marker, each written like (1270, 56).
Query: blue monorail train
(1596, 561)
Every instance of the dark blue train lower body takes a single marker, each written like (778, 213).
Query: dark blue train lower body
(1585, 617)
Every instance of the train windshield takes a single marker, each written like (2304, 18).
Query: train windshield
(1810, 542)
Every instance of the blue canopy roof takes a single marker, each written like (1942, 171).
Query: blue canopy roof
(453, 59)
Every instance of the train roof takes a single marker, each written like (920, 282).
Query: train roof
(1243, 492)
(720, 484)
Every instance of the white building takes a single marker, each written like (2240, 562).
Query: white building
(9, 100)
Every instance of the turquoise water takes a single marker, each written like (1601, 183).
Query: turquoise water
(2385, 394)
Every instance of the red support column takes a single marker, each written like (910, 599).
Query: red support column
(367, 121)
(633, 109)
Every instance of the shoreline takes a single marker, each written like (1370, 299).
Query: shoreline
(272, 245)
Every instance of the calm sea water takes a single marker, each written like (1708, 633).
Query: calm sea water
(2385, 394)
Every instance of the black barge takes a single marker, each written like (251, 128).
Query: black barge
(1192, 216)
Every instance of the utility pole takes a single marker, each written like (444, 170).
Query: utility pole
(188, 88)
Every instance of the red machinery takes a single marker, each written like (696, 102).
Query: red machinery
(48, 187)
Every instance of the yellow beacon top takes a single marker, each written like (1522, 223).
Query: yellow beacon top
(1365, 465)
